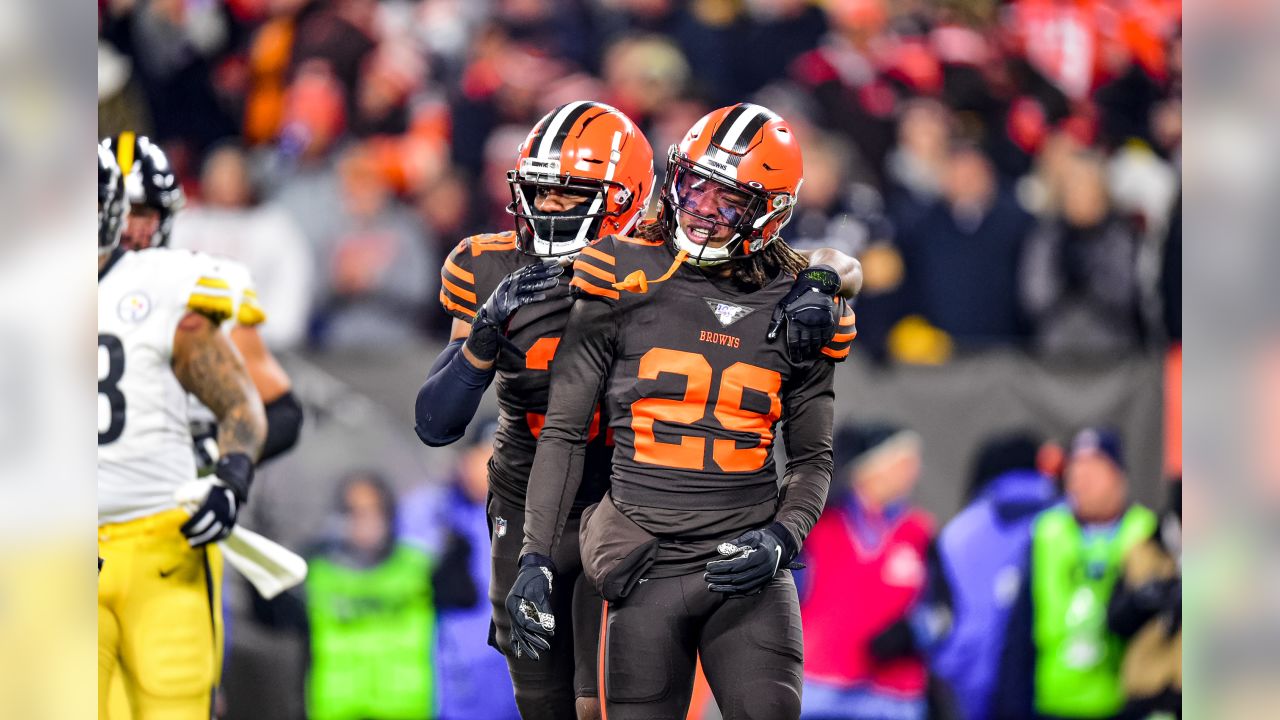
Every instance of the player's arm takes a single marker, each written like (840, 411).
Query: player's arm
(847, 267)
(448, 399)
(809, 409)
(209, 367)
(283, 411)
(753, 558)
(578, 376)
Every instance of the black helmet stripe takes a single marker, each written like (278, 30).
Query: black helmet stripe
(551, 137)
(740, 126)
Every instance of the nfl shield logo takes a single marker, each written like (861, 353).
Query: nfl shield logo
(726, 312)
(500, 526)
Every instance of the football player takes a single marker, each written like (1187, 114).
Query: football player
(155, 197)
(691, 545)
(159, 338)
(584, 172)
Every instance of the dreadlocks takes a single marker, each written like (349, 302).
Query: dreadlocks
(750, 273)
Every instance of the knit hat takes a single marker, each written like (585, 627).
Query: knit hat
(1099, 440)
(856, 444)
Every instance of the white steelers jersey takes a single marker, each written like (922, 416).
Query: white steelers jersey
(144, 444)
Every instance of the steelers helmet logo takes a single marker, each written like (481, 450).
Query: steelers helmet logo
(134, 307)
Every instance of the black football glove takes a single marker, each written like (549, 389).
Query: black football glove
(527, 285)
(810, 313)
(529, 605)
(216, 517)
(751, 561)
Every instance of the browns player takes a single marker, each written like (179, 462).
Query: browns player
(692, 543)
(585, 171)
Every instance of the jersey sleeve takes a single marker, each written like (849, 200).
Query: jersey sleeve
(458, 282)
(594, 272)
(212, 292)
(838, 348)
(248, 310)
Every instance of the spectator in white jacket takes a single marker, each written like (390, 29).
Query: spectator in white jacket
(230, 222)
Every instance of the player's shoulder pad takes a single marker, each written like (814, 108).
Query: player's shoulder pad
(458, 291)
(594, 271)
(618, 266)
(837, 348)
(248, 310)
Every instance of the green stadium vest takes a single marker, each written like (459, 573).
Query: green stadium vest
(1077, 657)
(372, 632)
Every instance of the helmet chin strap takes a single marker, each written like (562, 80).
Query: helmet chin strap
(701, 255)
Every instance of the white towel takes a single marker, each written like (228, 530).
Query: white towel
(269, 566)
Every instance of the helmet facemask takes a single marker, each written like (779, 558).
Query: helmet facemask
(113, 203)
(705, 207)
(564, 232)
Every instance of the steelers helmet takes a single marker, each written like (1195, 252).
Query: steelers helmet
(112, 203)
(149, 181)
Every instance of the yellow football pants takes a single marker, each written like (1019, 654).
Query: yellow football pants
(159, 620)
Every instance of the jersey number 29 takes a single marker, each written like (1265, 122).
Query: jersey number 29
(688, 453)
(110, 370)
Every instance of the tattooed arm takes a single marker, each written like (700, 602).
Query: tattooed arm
(208, 366)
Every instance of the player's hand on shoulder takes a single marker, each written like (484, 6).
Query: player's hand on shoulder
(529, 606)
(527, 285)
(810, 313)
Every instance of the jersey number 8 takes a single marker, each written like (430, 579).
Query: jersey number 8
(111, 350)
(690, 451)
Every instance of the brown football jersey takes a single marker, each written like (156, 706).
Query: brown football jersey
(694, 395)
(469, 275)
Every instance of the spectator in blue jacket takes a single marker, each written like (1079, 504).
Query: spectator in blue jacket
(450, 518)
(977, 567)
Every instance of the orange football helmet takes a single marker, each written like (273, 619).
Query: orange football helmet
(731, 184)
(592, 153)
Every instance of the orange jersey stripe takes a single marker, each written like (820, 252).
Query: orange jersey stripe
(457, 271)
(594, 271)
(837, 354)
(451, 305)
(602, 658)
(847, 320)
(592, 289)
(605, 258)
(458, 290)
(638, 241)
(844, 337)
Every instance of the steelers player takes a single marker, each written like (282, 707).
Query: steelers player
(584, 172)
(159, 338)
(155, 198)
(691, 544)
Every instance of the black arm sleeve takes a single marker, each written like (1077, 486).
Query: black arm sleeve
(578, 376)
(284, 424)
(450, 396)
(809, 411)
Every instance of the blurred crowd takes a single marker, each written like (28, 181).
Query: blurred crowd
(1007, 171)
